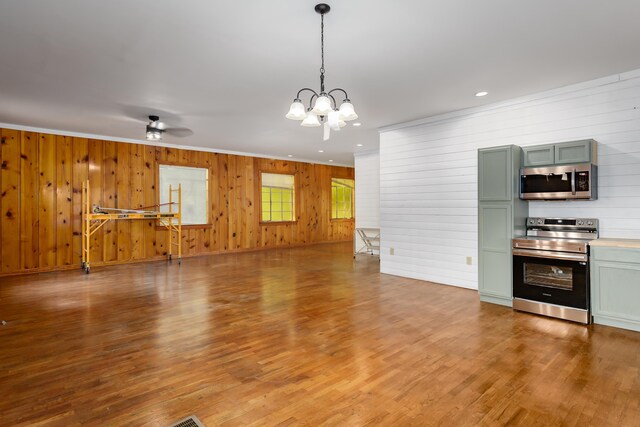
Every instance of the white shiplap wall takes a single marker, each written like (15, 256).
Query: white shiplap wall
(367, 166)
(428, 172)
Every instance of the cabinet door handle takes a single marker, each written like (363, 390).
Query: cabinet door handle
(573, 182)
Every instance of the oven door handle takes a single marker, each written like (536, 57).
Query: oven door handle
(550, 255)
(573, 182)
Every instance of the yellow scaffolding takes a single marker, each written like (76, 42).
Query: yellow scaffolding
(94, 217)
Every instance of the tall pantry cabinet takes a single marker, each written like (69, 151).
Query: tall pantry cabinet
(501, 217)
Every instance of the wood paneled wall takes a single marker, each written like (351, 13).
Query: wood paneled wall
(41, 181)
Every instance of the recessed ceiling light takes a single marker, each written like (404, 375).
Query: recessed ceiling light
(357, 124)
(320, 151)
(482, 93)
(331, 161)
(358, 145)
(289, 155)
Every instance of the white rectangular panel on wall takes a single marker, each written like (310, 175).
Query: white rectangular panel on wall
(428, 173)
(194, 184)
(367, 177)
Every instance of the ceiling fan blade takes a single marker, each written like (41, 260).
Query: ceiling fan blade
(179, 132)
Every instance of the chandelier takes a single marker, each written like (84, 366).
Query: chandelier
(322, 106)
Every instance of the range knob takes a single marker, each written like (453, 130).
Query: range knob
(580, 222)
(540, 221)
(590, 223)
(532, 221)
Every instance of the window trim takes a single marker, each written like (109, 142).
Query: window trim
(353, 200)
(295, 198)
(206, 225)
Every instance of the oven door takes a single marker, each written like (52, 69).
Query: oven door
(559, 278)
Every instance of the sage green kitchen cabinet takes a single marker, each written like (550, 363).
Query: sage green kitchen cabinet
(567, 153)
(615, 286)
(494, 174)
(539, 155)
(494, 255)
(501, 217)
(563, 153)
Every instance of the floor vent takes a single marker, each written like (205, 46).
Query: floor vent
(191, 421)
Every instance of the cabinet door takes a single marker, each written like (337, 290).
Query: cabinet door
(494, 231)
(573, 152)
(615, 293)
(495, 172)
(539, 155)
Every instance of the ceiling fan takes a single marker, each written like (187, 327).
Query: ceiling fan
(155, 129)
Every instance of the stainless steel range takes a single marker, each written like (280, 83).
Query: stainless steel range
(551, 267)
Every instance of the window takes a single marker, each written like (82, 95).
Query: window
(342, 198)
(195, 192)
(277, 197)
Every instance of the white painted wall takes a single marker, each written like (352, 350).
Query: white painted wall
(367, 173)
(428, 172)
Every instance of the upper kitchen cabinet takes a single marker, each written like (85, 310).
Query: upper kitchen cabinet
(539, 155)
(496, 174)
(576, 152)
(564, 153)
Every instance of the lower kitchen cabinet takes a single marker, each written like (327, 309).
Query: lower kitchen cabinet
(495, 253)
(615, 286)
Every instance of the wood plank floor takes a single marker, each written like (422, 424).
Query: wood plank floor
(301, 336)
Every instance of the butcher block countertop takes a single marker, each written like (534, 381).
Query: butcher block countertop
(616, 243)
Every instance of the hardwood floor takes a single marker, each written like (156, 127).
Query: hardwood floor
(302, 336)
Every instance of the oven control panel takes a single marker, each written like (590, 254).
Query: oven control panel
(591, 223)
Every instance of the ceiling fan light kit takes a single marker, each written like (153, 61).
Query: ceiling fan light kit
(322, 106)
(154, 129)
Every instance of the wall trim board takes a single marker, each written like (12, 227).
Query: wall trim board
(159, 144)
(603, 81)
(420, 280)
(40, 227)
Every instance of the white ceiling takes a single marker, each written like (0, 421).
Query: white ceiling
(228, 70)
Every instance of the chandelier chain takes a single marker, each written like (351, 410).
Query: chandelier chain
(322, 52)
(322, 42)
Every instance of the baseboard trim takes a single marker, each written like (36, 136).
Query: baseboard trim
(496, 300)
(616, 323)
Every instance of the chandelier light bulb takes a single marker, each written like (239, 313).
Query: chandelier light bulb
(311, 121)
(296, 111)
(322, 106)
(347, 112)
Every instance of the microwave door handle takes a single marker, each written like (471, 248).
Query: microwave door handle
(573, 182)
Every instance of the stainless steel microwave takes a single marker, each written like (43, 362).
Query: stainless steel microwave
(559, 182)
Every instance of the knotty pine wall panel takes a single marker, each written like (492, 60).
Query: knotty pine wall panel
(64, 171)
(80, 173)
(47, 201)
(29, 200)
(10, 181)
(41, 192)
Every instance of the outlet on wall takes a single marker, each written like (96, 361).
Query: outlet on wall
(469, 260)
(392, 251)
